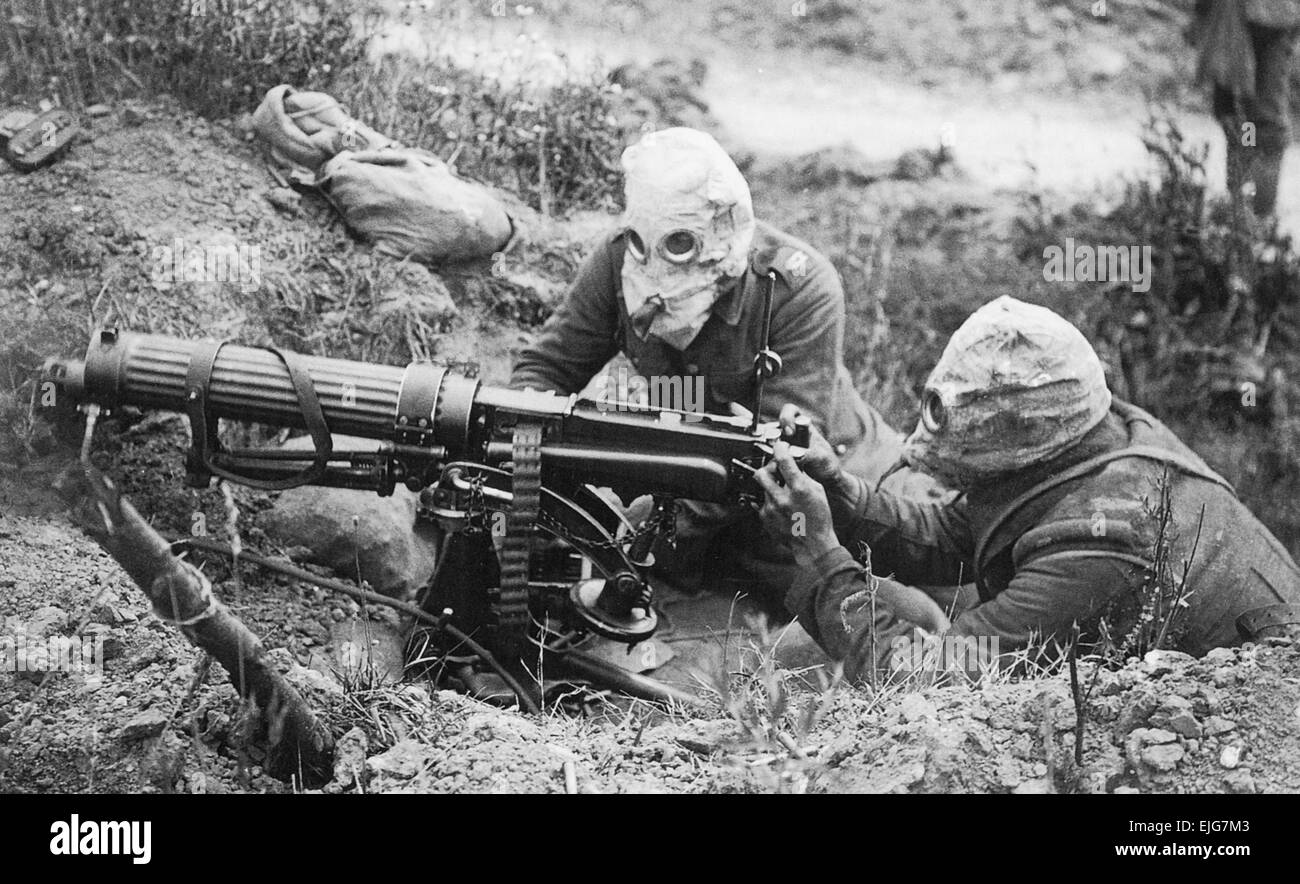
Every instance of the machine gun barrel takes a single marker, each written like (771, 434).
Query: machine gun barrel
(423, 415)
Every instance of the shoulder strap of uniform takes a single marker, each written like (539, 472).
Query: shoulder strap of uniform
(791, 263)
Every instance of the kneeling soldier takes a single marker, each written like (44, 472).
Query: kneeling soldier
(1075, 509)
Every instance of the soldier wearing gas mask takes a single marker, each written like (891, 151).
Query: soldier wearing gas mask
(1058, 520)
(678, 288)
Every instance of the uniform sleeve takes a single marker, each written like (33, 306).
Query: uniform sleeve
(1045, 599)
(926, 542)
(898, 630)
(580, 338)
(857, 618)
(808, 333)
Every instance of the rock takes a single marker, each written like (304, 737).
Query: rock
(107, 614)
(1137, 709)
(916, 707)
(1175, 714)
(1217, 724)
(357, 531)
(133, 117)
(1154, 736)
(98, 110)
(285, 199)
(1037, 786)
(1206, 700)
(145, 725)
(350, 758)
(45, 621)
(981, 741)
(1157, 663)
(498, 727)
(1126, 790)
(1239, 782)
(1163, 758)
(1220, 655)
(1230, 757)
(112, 646)
(1008, 773)
(315, 686)
(702, 737)
(403, 761)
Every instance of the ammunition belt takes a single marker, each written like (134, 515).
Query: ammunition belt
(511, 605)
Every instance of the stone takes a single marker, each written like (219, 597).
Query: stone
(1220, 655)
(45, 621)
(1217, 724)
(98, 110)
(112, 646)
(916, 707)
(1239, 782)
(285, 199)
(1163, 757)
(403, 761)
(1161, 662)
(357, 532)
(1137, 709)
(350, 758)
(1230, 757)
(1175, 714)
(1037, 786)
(1154, 736)
(145, 725)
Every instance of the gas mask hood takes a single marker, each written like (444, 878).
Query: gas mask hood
(1016, 385)
(688, 227)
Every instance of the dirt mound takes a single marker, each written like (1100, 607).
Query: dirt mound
(163, 221)
(155, 720)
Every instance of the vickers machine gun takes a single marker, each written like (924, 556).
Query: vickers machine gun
(493, 466)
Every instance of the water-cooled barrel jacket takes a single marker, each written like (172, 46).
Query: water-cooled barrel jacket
(807, 330)
(1061, 542)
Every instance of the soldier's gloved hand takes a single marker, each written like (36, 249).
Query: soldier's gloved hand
(821, 462)
(796, 507)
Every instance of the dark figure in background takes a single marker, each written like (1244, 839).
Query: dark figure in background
(1246, 48)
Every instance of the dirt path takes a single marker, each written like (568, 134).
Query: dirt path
(1008, 134)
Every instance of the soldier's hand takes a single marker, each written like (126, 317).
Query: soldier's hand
(796, 507)
(821, 462)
